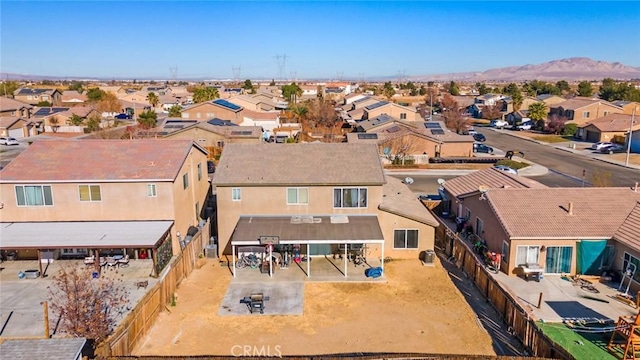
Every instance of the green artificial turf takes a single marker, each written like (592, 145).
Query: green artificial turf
(579, 344)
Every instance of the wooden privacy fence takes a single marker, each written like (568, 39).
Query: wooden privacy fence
(141, 318)
(362, 356)
(520, 320)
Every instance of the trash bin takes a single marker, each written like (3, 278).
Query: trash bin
(211, 251)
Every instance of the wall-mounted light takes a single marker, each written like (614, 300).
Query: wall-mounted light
(178, 234)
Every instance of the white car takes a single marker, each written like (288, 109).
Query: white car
(498, 124)
(8, 141)
(506, 169)
(601, 145)
(525, 126)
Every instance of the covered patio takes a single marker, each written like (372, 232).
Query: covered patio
(309, 236)
(48, 239)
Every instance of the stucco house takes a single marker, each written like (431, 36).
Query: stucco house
(215, 137)
(609, 128)
(71, 197)
(581, 110)
(391, 109)
(219, 108)
(11, 107)
(72, 97)
(628, 107)
(253, 103)
(34, 96)
(318, 206)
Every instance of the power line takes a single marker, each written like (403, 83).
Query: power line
(173, 70)
(282, 61)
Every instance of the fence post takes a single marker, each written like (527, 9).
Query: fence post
(539, 300)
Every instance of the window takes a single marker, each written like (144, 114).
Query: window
(29, 97)
(634, 260)
(236, 194)
(403, 116)
(199, 171)
(34, 195)
(45, 98)
(13, 113)
(220, 143)
(585, 114)
(151, 190)
(605, 113)
(505, 252)
(527, 255)
(185, 181)
(405, 239)
(89, 192)
(467, 214)
(350, 198)
(479, 227)
(297, 196)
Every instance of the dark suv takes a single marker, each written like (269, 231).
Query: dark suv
(482, 148)
(479, 137)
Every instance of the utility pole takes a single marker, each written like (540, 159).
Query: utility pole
(633, 116)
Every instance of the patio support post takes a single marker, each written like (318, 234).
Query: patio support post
(270, 260)
(40, 262)
(345, 259)
(382, 258)
(96, 260)
(233, 259)
(154, 258)
(308, 261)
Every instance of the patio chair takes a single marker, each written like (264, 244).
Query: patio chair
(89, 260)
(103, 261)
(111, 262)
(124, 262)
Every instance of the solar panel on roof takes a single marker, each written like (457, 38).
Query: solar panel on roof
(393, 129)
(437, 132)
(367, 136)
(376, 105)
(228, 105)
(243, 133)
(432, 125)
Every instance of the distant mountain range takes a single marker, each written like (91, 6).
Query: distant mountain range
(571, 69)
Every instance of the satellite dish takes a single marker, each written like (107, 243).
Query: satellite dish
(408, 180)
(483, 189)
(441, 181)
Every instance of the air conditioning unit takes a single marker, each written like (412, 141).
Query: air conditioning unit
(427, 257)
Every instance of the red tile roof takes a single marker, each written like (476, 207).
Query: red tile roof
(492, 178)
(629, 232)
(98, 160)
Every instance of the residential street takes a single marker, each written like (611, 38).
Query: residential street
(561, 162)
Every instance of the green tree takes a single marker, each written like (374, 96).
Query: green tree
(563, 86)
(148, 119)
(388, 91)
(517, 99)
(43, 104)
(453, 88)
(482, 88)
(511, 89)
(8, 87)
(76, 120)
(202, 94)
(153, 99)
(95, 94)
(585, 89)
(570, 129)
(175, 111)
(249, 86)
(76, 86)
(538, 111)
(300, 112)
(291, 92)
(93, 123)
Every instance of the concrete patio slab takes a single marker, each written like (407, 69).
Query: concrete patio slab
(285, 298)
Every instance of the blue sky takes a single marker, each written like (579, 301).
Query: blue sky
(321, 39)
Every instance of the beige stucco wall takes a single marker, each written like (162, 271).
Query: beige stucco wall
(210, 139)
(618, 263)
(273, 201)
(390, 222)
(207, 111)
(395, 111)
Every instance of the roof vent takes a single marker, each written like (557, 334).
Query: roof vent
(570, 209)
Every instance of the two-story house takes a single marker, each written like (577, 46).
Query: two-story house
(391, 109)
(34, 96)
(11, 107)
(72, 197)
(253, 103)
(318, 198)
(219, 108)
(581, 110)
(14, 119)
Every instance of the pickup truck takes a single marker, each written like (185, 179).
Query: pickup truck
(525, 126)
(498, 124)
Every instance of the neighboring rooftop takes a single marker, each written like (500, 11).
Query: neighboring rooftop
(299, 164)
(629, 231)
(98, 160)
(7, 104)
(28, 91)
(50, 349)
(614, 122)
(398, 199)
(492, 178)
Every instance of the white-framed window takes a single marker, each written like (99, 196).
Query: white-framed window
(34, 195)
(405, 238)
(185, 181)
(45, 98)
(628, 258)
(199, 171)
(479, 226)
(29, 97)
(349, 197)
(585, 114)
(505, 252)
(297, 196)
(527, 254)
(198, 115)
(403, 116)
(151, 190)
(89, 192)
(605, 113)
(236, 194)
(220, 143)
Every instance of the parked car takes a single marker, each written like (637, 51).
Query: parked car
(123, 116)
(525, 126)
(506, 169)
(599, 145)
(479, 137)
(5, 140)
(482, 148)
(498, 124)
(613, 148)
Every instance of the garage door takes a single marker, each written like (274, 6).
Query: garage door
(593, 136)
(16, 133)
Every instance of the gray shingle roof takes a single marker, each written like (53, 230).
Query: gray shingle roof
(299, 164)
(50, 349)
(400, 200)
(7, 104)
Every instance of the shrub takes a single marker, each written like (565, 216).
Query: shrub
(407, 161)
(570, 129)
(512, 164)
(540, 124)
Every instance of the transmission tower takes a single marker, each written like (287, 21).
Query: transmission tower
(401, 76)
(236, 73)
(173, 70)
(293, 76)
(282, 61)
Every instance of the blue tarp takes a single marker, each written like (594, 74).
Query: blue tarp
(590, 254)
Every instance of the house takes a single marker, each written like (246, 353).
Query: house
(391, 109)
(628, 107)
(310, 91)
(581, 110)
(13, 126)
(137, 97)
(526, 102)
(219, 108)
(71, 197)
(253, 103)
(550, 99)
(573, 229)
(268, 121)
(35, 96)
(488, 99)
(349, 99)
(612, 128)
(61, 121)
(11, 107)
(214, 137)
(47, 348)
(317, 206)
(72, 97)
(517, 117)
(115, 90)
(414, 140)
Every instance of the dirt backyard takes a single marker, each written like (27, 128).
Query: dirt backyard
(417, 310)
